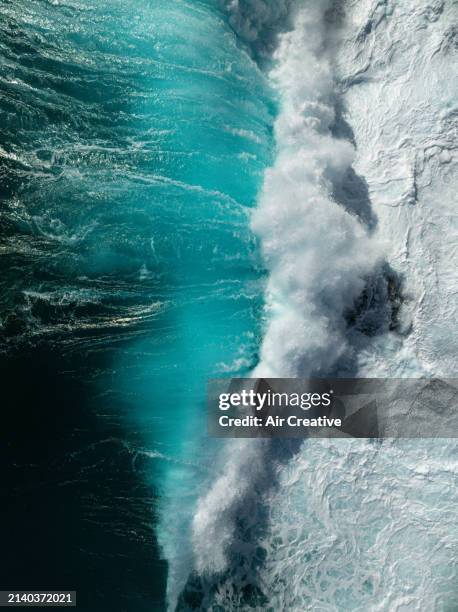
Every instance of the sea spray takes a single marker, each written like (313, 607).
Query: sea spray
(259, 22)
(318, 256)
(317, 253)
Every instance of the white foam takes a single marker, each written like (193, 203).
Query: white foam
(317, 253)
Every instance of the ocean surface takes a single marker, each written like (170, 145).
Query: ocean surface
(134, 138)
(197, 188)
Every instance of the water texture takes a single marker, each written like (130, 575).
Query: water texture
(198, 188)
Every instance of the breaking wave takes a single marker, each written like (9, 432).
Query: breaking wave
(325, 525)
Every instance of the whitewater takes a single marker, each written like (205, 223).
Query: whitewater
(357, 225)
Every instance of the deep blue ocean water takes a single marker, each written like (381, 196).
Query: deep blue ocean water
(134, 136)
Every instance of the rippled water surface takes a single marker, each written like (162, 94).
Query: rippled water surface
(133, 140)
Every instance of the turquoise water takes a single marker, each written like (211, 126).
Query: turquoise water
(212, 115)
(204, 140)
(135, 135)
